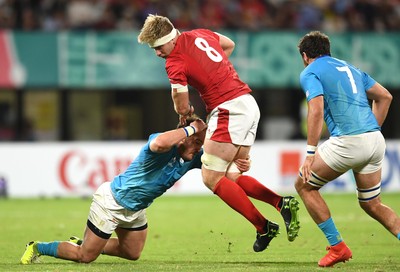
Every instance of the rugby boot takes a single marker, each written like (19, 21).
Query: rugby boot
(263, 240)
(337, 253)
(31, 254)
(289, 212)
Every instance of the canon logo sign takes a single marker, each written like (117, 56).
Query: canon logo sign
(78, 169)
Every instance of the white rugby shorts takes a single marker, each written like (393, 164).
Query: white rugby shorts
(363, 153)
(106, 214)
(234, 121)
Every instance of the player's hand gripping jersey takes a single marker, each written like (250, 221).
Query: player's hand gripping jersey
(199, 61)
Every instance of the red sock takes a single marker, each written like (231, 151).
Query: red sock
(236, 198)
(257, 190)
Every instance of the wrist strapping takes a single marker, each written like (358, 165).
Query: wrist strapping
(189, 130)
(311, 150)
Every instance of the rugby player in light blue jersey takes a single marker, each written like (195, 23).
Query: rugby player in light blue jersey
(120, 205)
(338, 94)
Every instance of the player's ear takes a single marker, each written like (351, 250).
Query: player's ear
(305, 58)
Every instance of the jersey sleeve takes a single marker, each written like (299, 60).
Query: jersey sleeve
(175, 68)
(368, 81)
(146, 148)
(150, 157)
(310, 84)
(211, 33)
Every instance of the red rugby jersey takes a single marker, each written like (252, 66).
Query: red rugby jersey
(199, 61)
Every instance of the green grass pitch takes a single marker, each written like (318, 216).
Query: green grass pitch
(200, 233)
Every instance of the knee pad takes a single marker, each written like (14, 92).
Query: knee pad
(212, 162)
(365, 195)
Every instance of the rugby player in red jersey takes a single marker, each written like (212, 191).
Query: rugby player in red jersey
(199, 58)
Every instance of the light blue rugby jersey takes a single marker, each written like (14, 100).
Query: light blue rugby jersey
(149, 176)
(346, 110)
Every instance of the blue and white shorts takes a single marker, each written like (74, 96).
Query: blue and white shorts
(106, 214)
(363, 153)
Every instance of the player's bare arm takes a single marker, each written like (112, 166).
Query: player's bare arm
(165, 141)
(315, 121)
(227, 44)
(182, 104)
(381, 100)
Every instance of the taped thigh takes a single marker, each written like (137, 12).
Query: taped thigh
(212, 162)
(315, 180)
(365, 195)
(233, 168)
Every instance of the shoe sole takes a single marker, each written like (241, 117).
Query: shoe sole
(294, 226)
(75, 240)
(341, 261)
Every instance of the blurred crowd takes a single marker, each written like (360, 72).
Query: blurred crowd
(249, 15)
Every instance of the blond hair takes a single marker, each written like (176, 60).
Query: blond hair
(154, 28)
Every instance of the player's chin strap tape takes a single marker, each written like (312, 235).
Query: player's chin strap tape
(365, 195)
(212, 162)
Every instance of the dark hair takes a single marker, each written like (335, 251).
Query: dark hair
(315, 44)
(189, 119)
